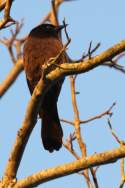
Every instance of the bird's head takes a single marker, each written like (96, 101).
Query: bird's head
(48, 29)
(52, 28)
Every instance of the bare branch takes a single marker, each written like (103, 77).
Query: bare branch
(94, 177)
(114, 134)
(54, 14)
(116, 66)
(76, 118)
(67, 121)
(107, 112)
(79, 138)
(24, 132)
(66, 33)
(114, 63)
(7, 17)
(94, 49)
(10, 42)
(2, 4)
(17, 68)
(70, 168)
(119, 57)
(122, 170)
(89, 53)
(71, 150)
(69, 146)
(122, 173)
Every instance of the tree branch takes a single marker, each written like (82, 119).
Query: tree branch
(50, 17)
(122, 173)
(79, 138)
(11, 77)
(70, 168)
(7, 17)
(12, 42)
(2, 4)
(107, 112)
(25, 131)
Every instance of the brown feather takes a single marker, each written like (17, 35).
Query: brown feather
(42, 44)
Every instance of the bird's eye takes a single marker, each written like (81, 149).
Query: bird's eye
(48, 27)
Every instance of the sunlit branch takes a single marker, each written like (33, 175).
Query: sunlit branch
(70, 168)
(11, 77)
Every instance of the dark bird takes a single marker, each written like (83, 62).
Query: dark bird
(42, 44)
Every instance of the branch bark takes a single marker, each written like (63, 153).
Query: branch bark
(70, 168)
(79, 137)
(3, 4)
(17, 68)
(7, 17)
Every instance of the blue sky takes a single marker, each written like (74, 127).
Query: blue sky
(99, 21)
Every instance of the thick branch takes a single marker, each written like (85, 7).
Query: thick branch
(79, 137)
(24, 132)
(2, 4)
(87, 65)
(17, 68)
(70, 168)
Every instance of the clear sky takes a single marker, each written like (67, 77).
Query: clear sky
(99, 21)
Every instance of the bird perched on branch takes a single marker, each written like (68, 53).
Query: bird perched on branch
(42, 44)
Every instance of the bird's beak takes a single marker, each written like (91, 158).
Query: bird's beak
(60, 27)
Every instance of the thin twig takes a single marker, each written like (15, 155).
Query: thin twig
(53, 60)
(107, 112)
(76, 117)
(89, 50)
(94, 178)
(89, 53)
(11, 42)
(95, 169)
(115, 65)
(66, 33)
(72, 151)
(114, 134)
(67, 121)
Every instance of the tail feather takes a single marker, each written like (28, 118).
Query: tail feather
(51, 131)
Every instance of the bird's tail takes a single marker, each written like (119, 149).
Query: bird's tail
(51, 131)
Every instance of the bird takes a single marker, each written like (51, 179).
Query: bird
(42, 44)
